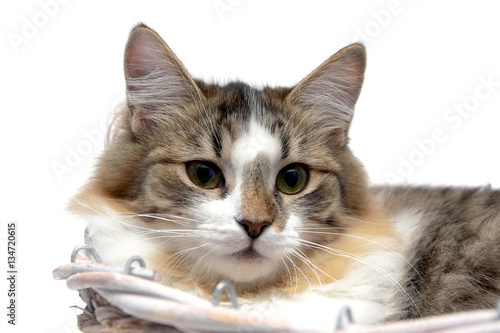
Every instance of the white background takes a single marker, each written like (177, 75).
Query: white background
(61, 75)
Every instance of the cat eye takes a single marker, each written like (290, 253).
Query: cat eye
(204, 174)
(292, 179)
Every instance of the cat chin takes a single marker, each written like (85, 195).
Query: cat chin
(238, 268)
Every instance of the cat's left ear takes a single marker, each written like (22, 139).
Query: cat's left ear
(330, 92)
(157, 82)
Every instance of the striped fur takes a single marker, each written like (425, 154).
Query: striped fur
(455, 249)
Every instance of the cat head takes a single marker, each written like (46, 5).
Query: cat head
(235, 183)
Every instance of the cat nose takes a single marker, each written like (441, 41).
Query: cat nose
(254, 229)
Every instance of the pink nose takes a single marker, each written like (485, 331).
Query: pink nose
(254, 229)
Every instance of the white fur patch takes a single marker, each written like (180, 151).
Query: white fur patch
(368, 290)
(406, 224)
(256, 140)
(314, 310)
(246, 148)
(117, 236)
(222, 237)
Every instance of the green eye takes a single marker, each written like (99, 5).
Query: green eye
(204, 174)
(292, 179)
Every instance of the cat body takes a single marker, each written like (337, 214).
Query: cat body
(258, 187)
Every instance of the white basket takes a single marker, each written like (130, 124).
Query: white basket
(131, 299)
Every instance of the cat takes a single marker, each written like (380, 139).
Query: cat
(259, 187)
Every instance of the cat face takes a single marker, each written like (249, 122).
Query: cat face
(244, 185)
(236, 183)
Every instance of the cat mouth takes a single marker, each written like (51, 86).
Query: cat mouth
(248, 254)
(247, 265)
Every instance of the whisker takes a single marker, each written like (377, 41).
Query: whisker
(369, 241)
(301, 272)
(332, 278)
(180, 257)
(300, 255)
(289, 278)
(193, 268)
(361, 260)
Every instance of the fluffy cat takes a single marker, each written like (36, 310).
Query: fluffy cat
(213, 183)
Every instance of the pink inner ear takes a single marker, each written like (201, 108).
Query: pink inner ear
(133, 65)
(338, 136)
(144, 54)
(140, 119)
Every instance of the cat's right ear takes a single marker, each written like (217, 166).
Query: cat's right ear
(328, 95)
(157, 82)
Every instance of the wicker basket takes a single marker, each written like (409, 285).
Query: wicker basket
(131, 299)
